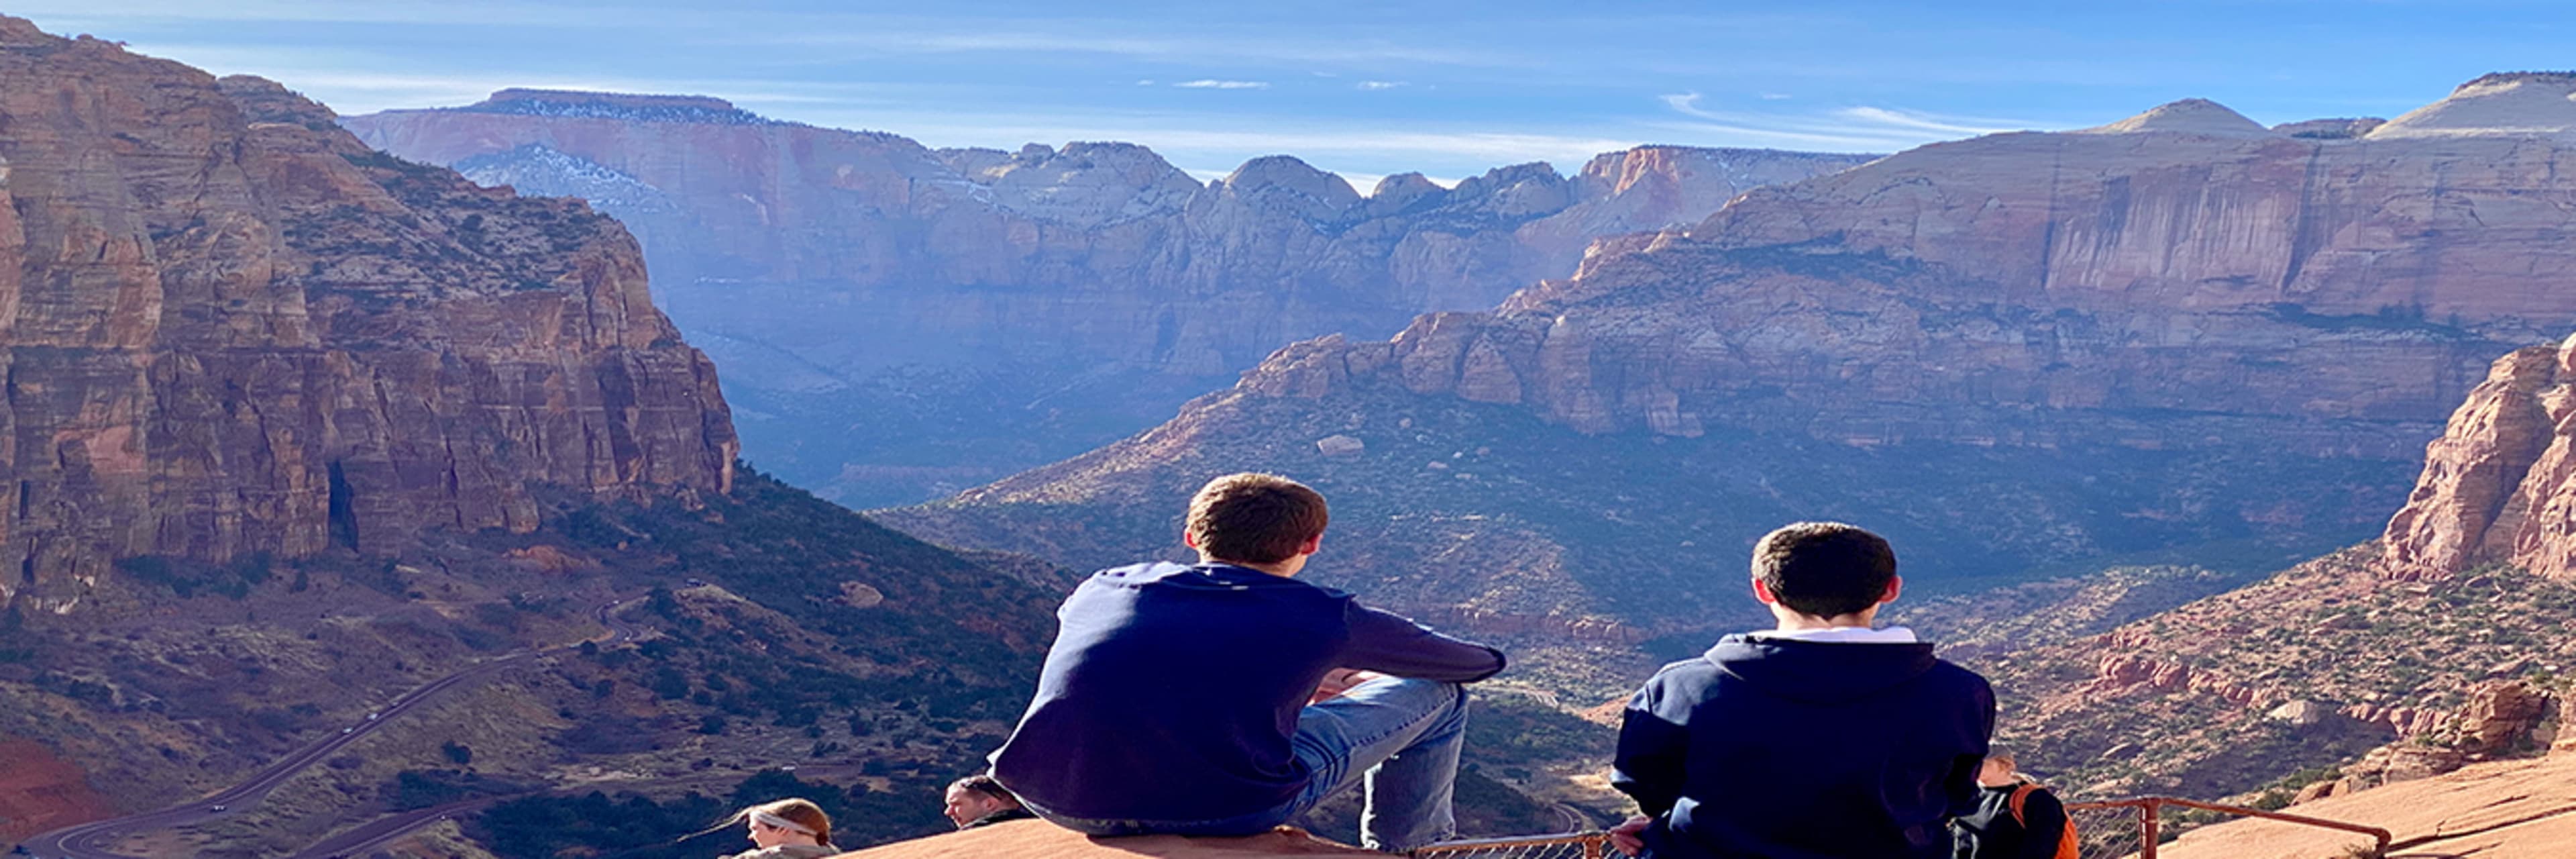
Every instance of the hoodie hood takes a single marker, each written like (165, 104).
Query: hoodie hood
(1820, 672)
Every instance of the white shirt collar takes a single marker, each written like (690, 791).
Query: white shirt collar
(1842, 635)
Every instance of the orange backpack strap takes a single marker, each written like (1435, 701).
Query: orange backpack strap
(2020, 796)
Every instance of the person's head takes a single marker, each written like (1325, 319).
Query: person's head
(1263, 521)
(1825, 571)
(787, 821)
(1999, 770)
(972, 798)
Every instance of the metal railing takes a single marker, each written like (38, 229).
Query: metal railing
(2150, 813)
(1593, 844)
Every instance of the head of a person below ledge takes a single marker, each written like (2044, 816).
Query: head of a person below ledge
(978, 800)
(785, 829)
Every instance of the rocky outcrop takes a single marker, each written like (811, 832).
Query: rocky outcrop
(1027, 305)
(2499, 486)
(2505, 810)
(231, 329)
(2500, 720)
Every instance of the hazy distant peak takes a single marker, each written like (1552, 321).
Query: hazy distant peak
(2188, 116)
(610, 105)
(2499, 78)
(1404, 187)
(1287, 172)
(2505, 103)
(1509, 175)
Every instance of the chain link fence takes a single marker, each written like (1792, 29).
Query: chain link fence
(1578, 845)
(2105, 833)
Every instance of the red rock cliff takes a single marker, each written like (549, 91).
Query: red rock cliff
(2181, 276)
(2499, 486)
(230, 328)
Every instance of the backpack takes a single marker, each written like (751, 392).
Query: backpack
(2067, 847)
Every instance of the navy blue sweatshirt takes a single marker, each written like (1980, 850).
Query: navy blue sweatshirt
(1171, 691)
(1782, 749)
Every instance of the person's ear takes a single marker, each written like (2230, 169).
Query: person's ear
(1895, 586)
(1189, 539)
(1312, 544)
(1762, 593)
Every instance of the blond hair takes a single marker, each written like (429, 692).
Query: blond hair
(800, 815)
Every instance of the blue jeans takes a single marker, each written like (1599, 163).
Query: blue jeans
(1398, 737)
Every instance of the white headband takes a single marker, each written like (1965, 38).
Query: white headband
(776, 822)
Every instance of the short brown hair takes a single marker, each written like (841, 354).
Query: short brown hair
(1824, 569)
(1255, 518)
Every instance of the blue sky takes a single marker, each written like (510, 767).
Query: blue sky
(1446, 88)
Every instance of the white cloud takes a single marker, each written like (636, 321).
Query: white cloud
(1773, 96)
(1144, 81)
(1380, 85)
(1072, 37)
(1931, 122)
(1852, 128)
(1207, 83)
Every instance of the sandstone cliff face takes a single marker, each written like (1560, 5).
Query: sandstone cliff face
(2155, 283)
(232, 329)
(1107, 240)
(2499, 486)
(895, 319)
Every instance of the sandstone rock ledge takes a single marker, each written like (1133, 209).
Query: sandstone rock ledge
(1037, 839)
(2506, 810)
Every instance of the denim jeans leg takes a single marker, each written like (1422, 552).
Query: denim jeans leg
(1400, 737)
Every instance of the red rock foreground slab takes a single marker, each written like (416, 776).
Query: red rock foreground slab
(1038, 839)
(2504, 810)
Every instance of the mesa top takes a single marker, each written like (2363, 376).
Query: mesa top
(1172, 691)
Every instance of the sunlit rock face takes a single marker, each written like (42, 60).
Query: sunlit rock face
(232, 329)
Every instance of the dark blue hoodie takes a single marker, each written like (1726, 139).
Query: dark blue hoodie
(1171, 692)
(1769, 748)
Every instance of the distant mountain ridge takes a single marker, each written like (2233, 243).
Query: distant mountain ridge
(2181, 337)
(953, 315)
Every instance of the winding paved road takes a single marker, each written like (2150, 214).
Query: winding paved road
(95, 839)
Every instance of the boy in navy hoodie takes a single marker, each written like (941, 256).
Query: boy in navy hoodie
(1821, 737)
(1177, 698)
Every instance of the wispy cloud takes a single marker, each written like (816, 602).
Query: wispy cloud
(1076, 37)
(1852, 128)
(1209, 83)
(1374, 86)
(1931, 122)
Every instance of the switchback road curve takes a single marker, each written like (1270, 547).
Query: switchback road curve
(95, 839)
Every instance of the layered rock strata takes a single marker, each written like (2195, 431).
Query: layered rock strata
(900, 321)
(2499, 486)
(1093, 246)
(232, 329)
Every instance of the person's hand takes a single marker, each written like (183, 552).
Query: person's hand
(1338, 681)
(1630, 837)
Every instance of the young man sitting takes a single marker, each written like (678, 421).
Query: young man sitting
(1822, 737)
(1176, 698)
